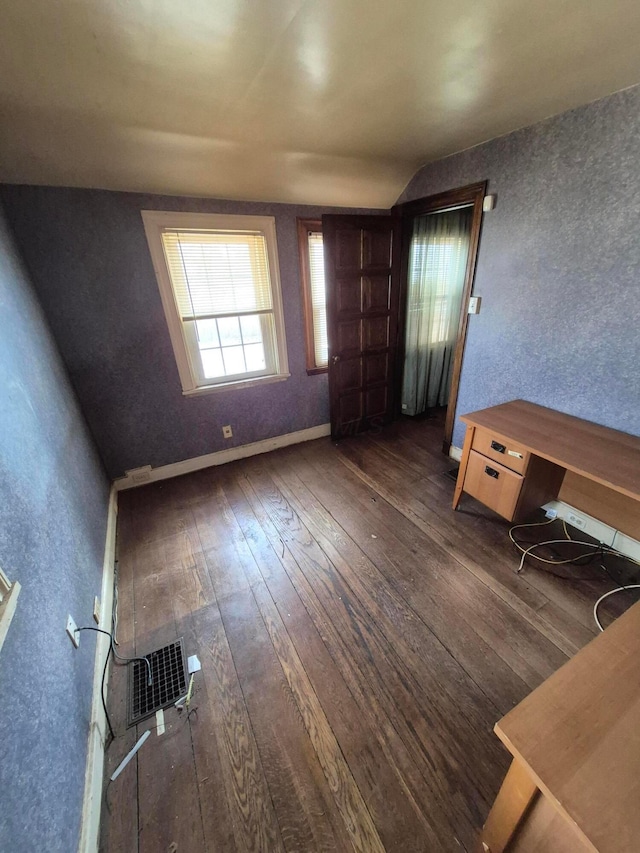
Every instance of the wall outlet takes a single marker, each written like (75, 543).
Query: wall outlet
(96, 610)
(227, 432)
(600, 531)
(72, 631)
(576, 520)
(139, 475)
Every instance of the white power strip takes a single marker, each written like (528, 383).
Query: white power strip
(598, 530)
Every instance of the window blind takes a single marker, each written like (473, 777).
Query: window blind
(218, 273)
(318, 298)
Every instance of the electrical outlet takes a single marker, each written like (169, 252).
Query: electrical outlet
(96, 610)
(139, 475)
(72, 631)
(227, 432)
(576, 520)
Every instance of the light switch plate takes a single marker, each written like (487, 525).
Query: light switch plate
(474, 304)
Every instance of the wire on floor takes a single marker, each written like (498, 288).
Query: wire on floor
(601, 550)
(606, 595)
(114, 615)
(112, 650)
(118, 656)
(556, 562)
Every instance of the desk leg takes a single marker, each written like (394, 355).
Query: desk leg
(464, 461)
(514, 798)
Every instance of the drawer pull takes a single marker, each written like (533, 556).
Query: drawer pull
(491, 472)
(499, 448)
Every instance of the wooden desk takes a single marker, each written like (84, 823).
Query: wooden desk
(574, 783)
(518, 455)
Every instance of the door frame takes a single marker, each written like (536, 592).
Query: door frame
(471, 194)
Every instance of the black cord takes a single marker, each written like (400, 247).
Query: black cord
(104, 704)
(115, 653)
(111, 650)
(104, 675)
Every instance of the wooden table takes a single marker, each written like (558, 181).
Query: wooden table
(574, 783)
(518, 455)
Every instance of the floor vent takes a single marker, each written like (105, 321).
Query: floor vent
(169, 671)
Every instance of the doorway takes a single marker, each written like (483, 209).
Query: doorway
(440, 242)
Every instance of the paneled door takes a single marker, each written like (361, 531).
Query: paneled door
(362, 272)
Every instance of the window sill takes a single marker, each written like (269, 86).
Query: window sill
(232, 386)
(312, 371)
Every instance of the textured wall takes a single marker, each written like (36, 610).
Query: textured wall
(53, 509)
(558, 266)
(88, 256)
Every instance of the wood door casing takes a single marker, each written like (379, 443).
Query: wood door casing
(472, 194)
(362, 267)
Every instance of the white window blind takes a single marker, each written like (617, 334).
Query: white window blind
(318, 298)
(220, 295)
(217, 274)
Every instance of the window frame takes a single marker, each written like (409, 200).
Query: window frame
(9, 593)
(304, 226)
(154, 222)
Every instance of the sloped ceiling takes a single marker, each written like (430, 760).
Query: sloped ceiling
(318, 101)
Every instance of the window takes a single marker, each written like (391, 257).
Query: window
(437, 262)
(313, 293)
(220, 287)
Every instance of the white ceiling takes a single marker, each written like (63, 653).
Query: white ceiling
(317, 101)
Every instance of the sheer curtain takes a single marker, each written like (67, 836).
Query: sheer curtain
(437, 265)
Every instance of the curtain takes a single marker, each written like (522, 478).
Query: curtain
(437, 265)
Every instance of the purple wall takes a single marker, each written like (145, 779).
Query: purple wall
(53, 513)
(558, 265)
(88, 256)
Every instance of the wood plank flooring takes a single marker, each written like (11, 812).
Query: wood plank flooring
(358, 641)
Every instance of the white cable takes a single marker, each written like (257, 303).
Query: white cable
(114, 619)
(606, 595)
(602, 548)
(527, 551)
(114, 613)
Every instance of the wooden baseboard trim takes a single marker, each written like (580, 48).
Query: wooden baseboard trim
(147, 474)
(92, 803)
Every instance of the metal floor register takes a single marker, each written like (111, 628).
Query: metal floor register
(169, 672)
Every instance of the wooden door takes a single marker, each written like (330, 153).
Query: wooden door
(362, 273)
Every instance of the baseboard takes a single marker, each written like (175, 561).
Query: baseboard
(597, 529)
(147, 474)
(90, 829)
(455, 453)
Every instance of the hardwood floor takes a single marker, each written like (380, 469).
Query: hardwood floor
(358, 641)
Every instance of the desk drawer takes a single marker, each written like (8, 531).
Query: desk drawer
(501, 450)
(493, 485)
